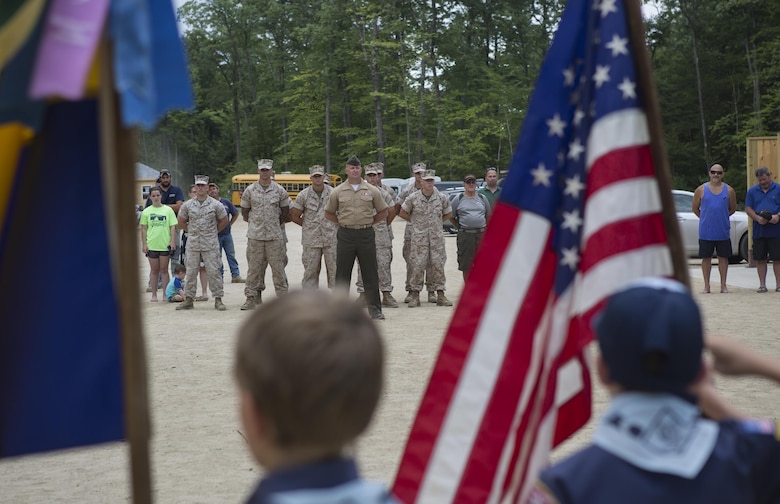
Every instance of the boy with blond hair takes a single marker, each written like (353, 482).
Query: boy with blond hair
(309, 367)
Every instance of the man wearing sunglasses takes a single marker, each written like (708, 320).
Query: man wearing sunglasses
(713, 203)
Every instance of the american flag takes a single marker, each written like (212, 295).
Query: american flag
(579, 216)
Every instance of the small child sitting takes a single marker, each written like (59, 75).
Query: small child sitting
(174, 291)
(309, 367)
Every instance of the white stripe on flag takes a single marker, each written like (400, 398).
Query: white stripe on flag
(619, 201)
(618, 130)
(484, 361)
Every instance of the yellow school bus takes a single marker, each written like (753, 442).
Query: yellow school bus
(293, 183)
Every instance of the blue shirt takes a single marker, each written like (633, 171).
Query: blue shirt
(759, 200)
(231, 210)
(714, 222)
(169, 197)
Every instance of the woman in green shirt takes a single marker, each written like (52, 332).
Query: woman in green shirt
(158, 228)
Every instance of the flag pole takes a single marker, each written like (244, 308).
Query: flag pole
(117, 146)
(657, 143)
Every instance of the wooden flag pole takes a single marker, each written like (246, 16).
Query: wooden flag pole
(663, 174)
(117, 145)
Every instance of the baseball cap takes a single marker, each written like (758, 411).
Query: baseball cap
(418, 168)
(371, 169)
(469, 177)
(429, 175)
(201, 180)
(265, 164)
(165, 171)
(651, 336)
(317, 170)
(380, 167)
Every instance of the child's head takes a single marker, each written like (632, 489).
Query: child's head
(179, 271)
(310, 368)
(651, 337)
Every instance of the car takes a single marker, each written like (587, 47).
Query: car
(689, 228)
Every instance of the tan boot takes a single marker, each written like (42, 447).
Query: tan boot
(408, 296)
(238, 279)
(219, 305)
(388, 300)
(250, 303)
(432, 297)
(259, 299)
(361, 299)
(441, 299)
(187, 304)
(415, 301)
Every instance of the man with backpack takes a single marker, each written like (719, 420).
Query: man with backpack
(470, 212)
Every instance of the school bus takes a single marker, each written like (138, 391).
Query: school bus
(293, 183)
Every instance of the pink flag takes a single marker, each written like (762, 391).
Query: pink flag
(579, 216)
(68, 46)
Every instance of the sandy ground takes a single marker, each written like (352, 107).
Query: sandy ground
(198, 454)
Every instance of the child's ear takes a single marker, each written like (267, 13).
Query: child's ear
(254, 421)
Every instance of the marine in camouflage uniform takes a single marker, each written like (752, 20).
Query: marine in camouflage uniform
(417, 170)
(203, 218)
(425, 210)
(264, 205)
(383, 236)
(318, 236)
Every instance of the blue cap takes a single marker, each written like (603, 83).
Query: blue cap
(651, 336)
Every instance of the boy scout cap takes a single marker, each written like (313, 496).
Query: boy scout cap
(353, 161)
(429, 175)
(265, 164)
(418, 168)
(371, 169)
(317, 170)
(651, 337)
(201, 180)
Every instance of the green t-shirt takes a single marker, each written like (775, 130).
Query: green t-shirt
(158, 222)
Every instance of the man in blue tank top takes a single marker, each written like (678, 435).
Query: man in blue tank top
(713, 203)
(653, 444)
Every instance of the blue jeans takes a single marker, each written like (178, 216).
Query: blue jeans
(226, 244)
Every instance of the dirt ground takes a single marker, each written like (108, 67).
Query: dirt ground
(197, 452)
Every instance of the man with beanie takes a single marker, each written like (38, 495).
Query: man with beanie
(653, 444)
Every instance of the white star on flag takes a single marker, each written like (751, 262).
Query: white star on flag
(571, 220)
(574, 186)
(542, 175)
(556, 125)
(575, 149)
(570, 257)
(628, 88)
(617, 45)
(601, 76)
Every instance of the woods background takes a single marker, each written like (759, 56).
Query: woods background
(445, 82)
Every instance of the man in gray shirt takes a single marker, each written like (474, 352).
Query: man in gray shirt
(470, 212)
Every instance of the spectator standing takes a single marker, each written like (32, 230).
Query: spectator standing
(158, 230)
(491, 189)
(713, 203)
(425, 210)
(173, 197)
(203, 218)
(226, 237)
(356, 206)
(417, 170)
(470, 212)
(762, 204)
(318, 234)
(654, 443)
(384, 244)
(265, 205)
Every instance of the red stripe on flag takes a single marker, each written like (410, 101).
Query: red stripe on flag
(623, 236)
(620, 164)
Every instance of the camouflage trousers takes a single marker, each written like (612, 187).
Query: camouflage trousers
(312, 266)
(427, 253)
(406, 250)
(384, 258)
(259, 255)
(212, 260)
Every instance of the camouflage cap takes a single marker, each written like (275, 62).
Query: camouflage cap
(429, 175)
(371, 169)
(265, 164)
(380, 167)
(317, 170)
(418, 168)
(201, 180)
